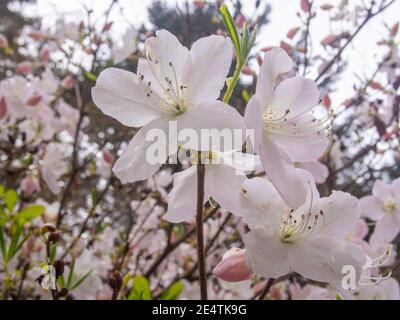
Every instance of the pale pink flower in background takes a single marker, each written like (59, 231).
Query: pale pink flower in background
(309, 292)
(36, 131)
(66, 31)
(235, 290)
(16, 90)
(233, 266)
(223, 183)
(69, 82)
(3, 42)
(172, 84)
(54, 166)
(25, 67)
(29, 185)
(319, 171)
(383, 206)
(310, 240)
(128, 46)
(68, 119)
(285, 130)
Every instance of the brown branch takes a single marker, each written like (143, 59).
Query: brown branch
(369, 16)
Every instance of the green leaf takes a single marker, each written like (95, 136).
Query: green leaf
(230, 28)
(80, 281)
(10, 198)
(338, 297)
(2, 243)
(140, 290)
(71, 274)
(173, 292)
(14, 242)
(2, 190)
(90, 76)
(30, 213)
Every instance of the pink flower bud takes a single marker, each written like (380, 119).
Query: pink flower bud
(108, 156)
(240, 20)
(34, 100)
(199, 3)
(68, 82)
(3, 41)
(305, 5)
(233, 267)
(29, 185)
(36, 35)
(44, 54)
(3, 107)
(24, 67)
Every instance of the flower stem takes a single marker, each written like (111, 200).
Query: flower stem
(268, 286)
(233, 82)
(199, 230)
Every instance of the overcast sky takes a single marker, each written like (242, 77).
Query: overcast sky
(361, 56)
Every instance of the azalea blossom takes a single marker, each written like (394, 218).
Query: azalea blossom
(173, 84)
(310, 240)
(53, 166)
(285, 130)
(128, 47)
(383, 206)
(223, 181)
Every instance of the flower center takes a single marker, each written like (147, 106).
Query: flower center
(206, 157)
(171, 96)
(294, 225)
(302, 128)
(389, 207)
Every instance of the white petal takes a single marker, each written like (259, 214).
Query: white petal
(319, 171)
(224, 184)
(322, 259)
(262, 206)
(296, 94)
(165, 49)
(119, 94)
(371, 207)
(287, 179)
(215, 115)
(134, 165)
(308, 145)
(386, 229)
(340, 214)
(276, 62)
(253, 120)
(182, 198)
(381, 190)
(211, 59)
(266, 255)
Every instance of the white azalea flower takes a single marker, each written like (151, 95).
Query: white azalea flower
(172, 84)
(383, 206)
(310, 240)
(128, 46)
(223, 182)
(285, 131)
